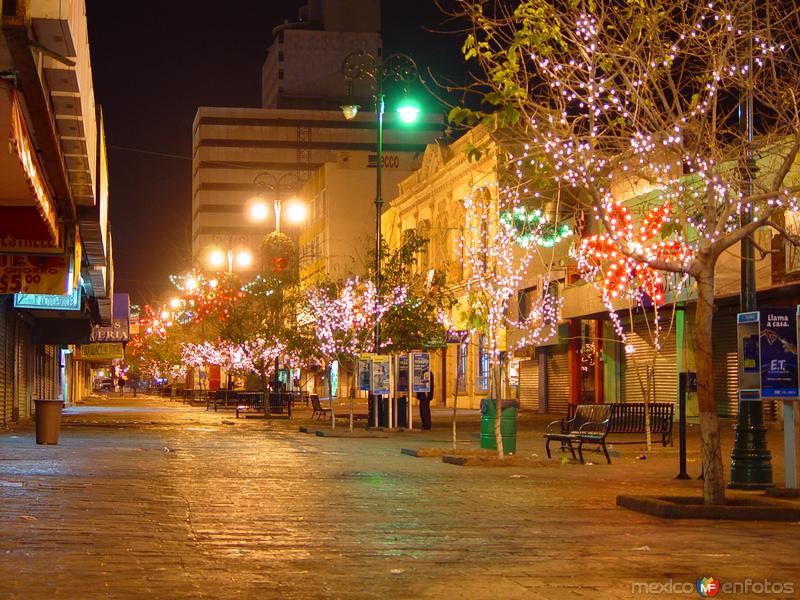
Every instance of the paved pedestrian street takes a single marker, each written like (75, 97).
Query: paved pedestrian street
(147, 498)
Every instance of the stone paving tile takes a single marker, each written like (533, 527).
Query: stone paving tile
(161, 500)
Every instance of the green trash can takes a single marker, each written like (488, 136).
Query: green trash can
(48, 420)
(508, 425)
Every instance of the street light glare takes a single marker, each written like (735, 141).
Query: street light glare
(216, 258)
(244, 258)
(408, 111)
(175, 303)
(191, 283)
(259, 212)
(296, 212)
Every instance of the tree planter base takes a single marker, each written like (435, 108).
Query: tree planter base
(439, 452)
(691, 507)
(493, 461)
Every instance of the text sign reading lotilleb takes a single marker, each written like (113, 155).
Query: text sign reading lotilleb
(381, 367)
(421, 381)
(778, 353)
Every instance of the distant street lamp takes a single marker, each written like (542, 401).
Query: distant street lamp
(230, 257)
(277, 185)
(401, 68)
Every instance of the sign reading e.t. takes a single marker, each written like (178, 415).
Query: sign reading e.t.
(778, 341)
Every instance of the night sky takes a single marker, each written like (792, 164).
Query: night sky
(153, 68)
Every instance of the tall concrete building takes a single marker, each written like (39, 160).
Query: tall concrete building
(299, 128)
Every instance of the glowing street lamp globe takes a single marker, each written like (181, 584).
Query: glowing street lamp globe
(216, 258)
(408, 110)
(296, 212)
(244, 259)
(259, 212)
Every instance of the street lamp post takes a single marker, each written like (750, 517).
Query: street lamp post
(218, 258)
(277, 185)
(365, 66)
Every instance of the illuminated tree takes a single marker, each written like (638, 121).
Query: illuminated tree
(639, 102)
(497, 255)
(343, 321)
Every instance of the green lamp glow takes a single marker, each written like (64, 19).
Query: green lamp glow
(408, 110)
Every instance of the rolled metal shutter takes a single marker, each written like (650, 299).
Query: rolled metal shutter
(23, 370)
(529, 385)
(6, 364)
(725, 363)
(557, 383)
(663, 373)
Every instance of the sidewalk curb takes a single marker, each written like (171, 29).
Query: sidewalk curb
(691, 507)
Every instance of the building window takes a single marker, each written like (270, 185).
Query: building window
(461, 369)
(280, 56)
(280, 74)
(483, 365)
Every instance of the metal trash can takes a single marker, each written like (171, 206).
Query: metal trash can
(508, 424)
(48, 420)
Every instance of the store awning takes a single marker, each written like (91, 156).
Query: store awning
(27, 208)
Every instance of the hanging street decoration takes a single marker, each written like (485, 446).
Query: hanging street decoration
(602, 258)
(528, 227)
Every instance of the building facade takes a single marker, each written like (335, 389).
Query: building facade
(585, 361)
(56, 271)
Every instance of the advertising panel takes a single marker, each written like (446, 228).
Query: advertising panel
(364, 374)
(381, 369)
(421, 381)
(402, 373)
(778, 353)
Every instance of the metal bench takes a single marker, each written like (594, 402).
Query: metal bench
(317, 409)
(628, 418)
(590, 425)
(249, 402)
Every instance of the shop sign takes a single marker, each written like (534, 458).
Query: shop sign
(49, 302)
(34, 274)
(421, 381)
(119, 330)
(102, 351)
(18, 245)
(778, 353)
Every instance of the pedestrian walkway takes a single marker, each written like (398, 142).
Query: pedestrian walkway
(147, 498)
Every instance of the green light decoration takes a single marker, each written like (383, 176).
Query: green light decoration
(532, 227)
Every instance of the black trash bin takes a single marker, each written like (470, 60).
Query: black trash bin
(383, 411)
(402, 411)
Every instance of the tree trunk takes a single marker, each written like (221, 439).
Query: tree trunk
(711, 453)
(496, 394)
